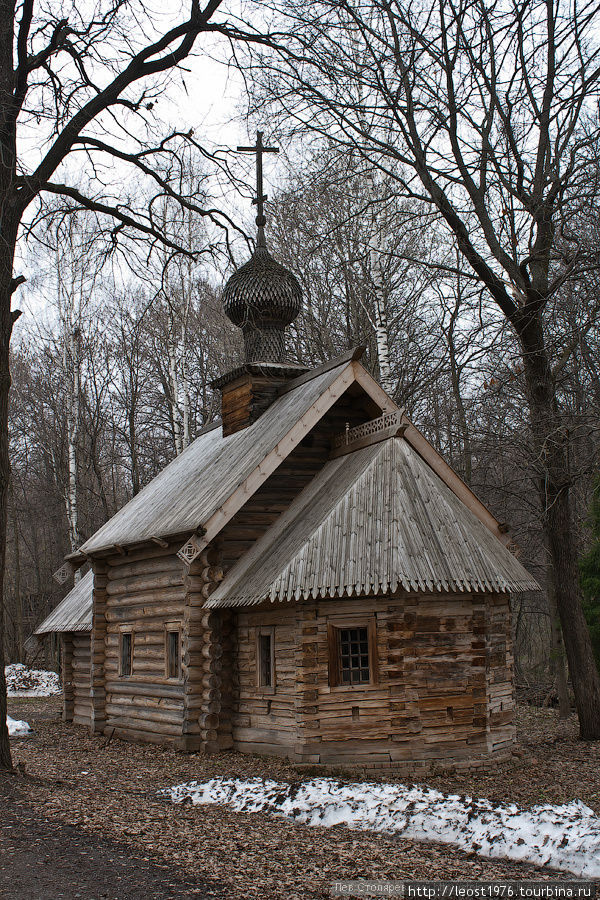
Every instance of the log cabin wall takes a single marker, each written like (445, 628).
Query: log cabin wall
(202, 668)
(146, 595)
(442, 695)
(98, 649)
(264, 720)
(66, 652)
(246, 398)
(81, 662)
(500, 675)
(440, 659)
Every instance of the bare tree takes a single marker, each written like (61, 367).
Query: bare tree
(487, 112)
(354, 246)
(88, 81)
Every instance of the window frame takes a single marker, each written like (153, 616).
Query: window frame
(265, 631)
(334, 627)
(124, 632)
(173, 628)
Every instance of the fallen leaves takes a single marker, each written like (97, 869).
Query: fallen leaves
(257, 855)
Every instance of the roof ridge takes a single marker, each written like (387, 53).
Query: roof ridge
(350, 356)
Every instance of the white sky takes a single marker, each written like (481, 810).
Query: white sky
(206, 96)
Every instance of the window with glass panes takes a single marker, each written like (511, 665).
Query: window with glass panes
(352, 652)
(354, 655)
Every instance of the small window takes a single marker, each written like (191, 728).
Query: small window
(126, 655)
(173, 654)
(265, 659)
(352, 653)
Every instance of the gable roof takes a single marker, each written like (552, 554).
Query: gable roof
(207, 483)
(376, 520)
(74, 613)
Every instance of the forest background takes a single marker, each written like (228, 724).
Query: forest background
(113, 359)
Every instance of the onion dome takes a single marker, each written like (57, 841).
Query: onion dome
(262, 297)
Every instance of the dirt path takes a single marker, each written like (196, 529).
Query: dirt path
(43, 860)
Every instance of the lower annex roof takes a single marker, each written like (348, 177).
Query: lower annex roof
(373, 521)
(74, 613)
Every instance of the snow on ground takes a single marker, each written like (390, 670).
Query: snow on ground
(17, 728)
(565, 837)
(24, 682)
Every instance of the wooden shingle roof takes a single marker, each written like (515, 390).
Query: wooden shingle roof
(373, 521)
(214, 476)
(74, 613)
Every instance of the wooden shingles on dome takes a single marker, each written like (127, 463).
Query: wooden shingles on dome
(374, 521)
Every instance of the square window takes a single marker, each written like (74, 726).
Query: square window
(126, 653)
(352, 653)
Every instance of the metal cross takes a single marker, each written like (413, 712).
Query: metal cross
(259, 149)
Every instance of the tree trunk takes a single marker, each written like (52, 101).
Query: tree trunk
(18, 607)
(133, 451)
(7, 249)
(381, 322)
(549, 442)
(174, 398)
(557, 649)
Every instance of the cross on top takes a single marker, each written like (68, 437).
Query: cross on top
(259, 149)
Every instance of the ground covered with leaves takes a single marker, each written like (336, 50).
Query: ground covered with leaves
(82, 819)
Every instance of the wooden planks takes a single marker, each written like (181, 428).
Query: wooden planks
(374, 521)
(263, 721)
(246, 398)
(442, 698)
(81, 671)
(66, 646)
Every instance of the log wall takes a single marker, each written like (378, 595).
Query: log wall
(148, 593)
(82, 703)
(66, 650)
(145, 592)
(500, 675)
(76, 657)
(443, 694)
(98, 649)
(264, 721)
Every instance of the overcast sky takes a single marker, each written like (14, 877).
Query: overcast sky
(208, 96)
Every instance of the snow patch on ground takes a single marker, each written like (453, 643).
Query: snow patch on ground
(24, 682)
(17, 728)
(566, 837)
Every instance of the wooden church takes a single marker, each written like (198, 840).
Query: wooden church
(308, 578)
